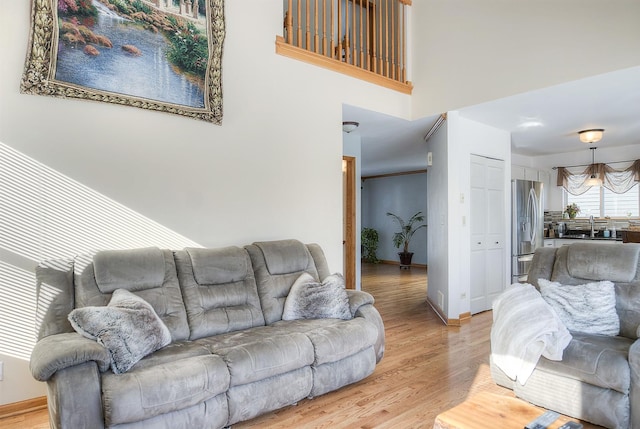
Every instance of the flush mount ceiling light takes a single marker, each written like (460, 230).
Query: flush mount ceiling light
(591, 136)
(348, 126)
(593, 180)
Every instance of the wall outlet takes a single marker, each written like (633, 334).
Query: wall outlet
(441, 300)
(1, 370)
(463, 295)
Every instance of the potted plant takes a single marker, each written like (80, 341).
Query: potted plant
(369, 238)
(572, 210)
(402, 238)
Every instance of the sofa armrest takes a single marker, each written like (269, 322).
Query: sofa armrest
(541, 265)
(361, 304)
(634, 392)
(60, 351)
(357, 299)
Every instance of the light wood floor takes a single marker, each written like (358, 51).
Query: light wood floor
(427, 367)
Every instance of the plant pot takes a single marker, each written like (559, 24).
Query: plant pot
(405, 258)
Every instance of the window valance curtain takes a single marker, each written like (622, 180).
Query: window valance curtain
(618, 181)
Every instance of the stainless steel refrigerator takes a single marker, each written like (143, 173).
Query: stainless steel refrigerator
(527, 226)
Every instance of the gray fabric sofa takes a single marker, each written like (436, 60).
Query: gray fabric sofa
(598, 378)
(231, 357)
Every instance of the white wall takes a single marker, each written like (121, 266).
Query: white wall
(465, 52)
(465, 137)
(351, 146)
(271, 171)
(438, 219)
(403, 195)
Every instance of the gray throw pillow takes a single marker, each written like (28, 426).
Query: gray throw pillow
(128, 327)
(588, 308)
(309, 299)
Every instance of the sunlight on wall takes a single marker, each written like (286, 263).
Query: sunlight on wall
(48, 215)
(17, 305)
(44, 215)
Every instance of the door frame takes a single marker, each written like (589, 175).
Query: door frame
(349, 220)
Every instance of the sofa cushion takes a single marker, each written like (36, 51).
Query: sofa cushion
(332, 339)
(219, 266)
(594, 359)
(628, 307)
(146, 392)
(165, 299)
(128, 327)
(588, 308)
(336, 342)
(596, 262)
(309, 299)
(255, 354)
(133, 269)
(277, 265)
(171, 353)
(219, 291)
(286, 256)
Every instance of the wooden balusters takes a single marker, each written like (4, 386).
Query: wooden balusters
(299, 24)
(324, 27)
(308, 28)
(289, 22)
(368, 34)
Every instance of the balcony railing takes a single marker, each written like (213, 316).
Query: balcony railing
(364, 38)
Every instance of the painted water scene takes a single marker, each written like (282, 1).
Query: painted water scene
(155, 50)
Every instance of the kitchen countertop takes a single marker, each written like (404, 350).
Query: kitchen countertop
(585, 236)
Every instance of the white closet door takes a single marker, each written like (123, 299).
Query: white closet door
(487, 232)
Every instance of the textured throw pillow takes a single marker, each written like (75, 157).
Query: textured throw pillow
(588, 308)
(128, 327)
(309, 299)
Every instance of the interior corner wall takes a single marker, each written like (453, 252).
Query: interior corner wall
(404, 196)
(467, 137)
(475, 51)
(352, 146)
(438, 219)
(271, 171)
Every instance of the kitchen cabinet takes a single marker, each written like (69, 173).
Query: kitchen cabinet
(487, 226)
(538, 175)
(545, 177)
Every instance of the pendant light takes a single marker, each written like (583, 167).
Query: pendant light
(593, 180)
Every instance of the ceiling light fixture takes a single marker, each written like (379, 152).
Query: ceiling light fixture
(593, 180)
(591, 136)
(349, 126)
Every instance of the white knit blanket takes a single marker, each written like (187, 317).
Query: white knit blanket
(524, 328)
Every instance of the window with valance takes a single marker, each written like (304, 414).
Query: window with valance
(618, 181)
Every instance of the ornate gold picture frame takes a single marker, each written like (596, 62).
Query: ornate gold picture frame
(163, 55)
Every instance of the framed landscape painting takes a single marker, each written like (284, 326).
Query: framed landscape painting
(163, 55)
